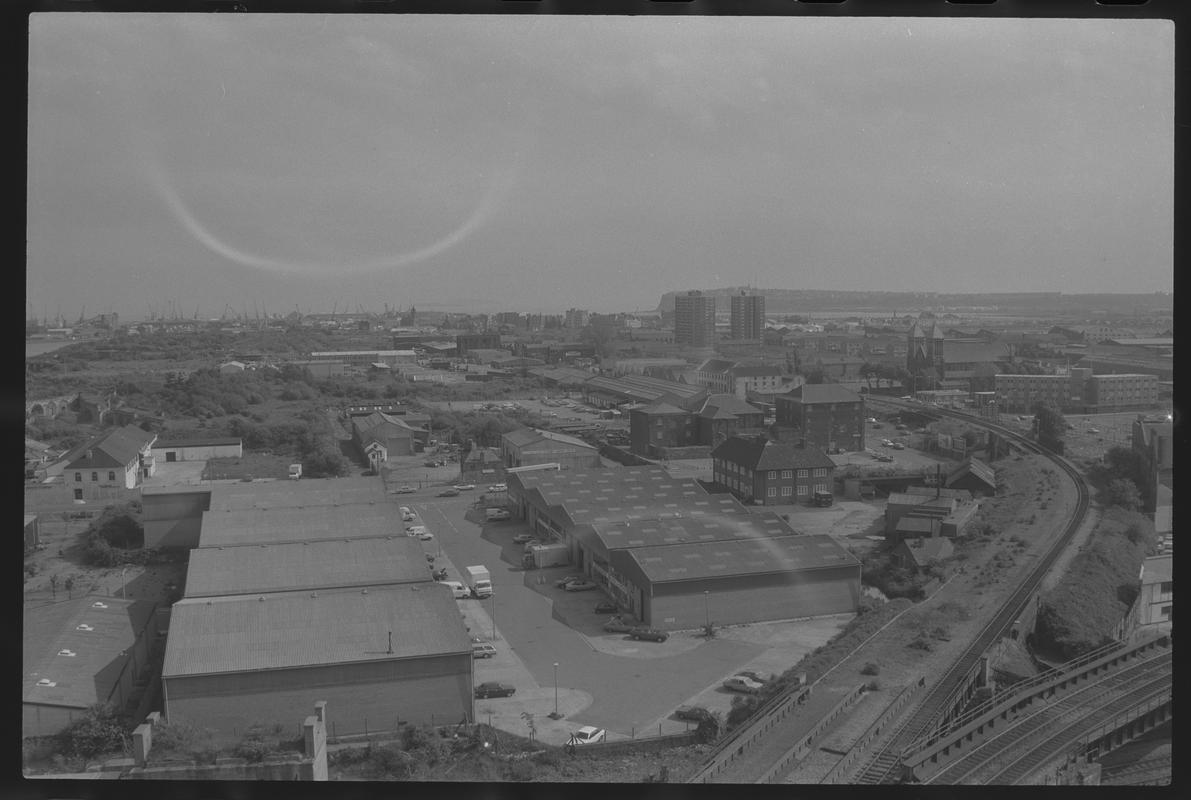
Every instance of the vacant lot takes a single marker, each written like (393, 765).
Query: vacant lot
(255, 465)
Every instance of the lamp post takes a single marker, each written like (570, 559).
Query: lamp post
(494, 616)
(123, 591)
(707, 606)
(556, 714)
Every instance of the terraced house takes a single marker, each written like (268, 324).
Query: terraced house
(757, 470)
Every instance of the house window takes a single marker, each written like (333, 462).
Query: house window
(94, 476)
(786, 491)
(1167, 587)
(773, 474)
(111, 475)
(803, 491)
(771, 491)
(787, 473)
(1167, 613)
(78, 494)
(802, 473)
(78, 476)
(821, 472)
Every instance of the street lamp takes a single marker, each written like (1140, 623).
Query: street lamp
(494, 616)
(556, 714)
(123, 591)
(707, 606)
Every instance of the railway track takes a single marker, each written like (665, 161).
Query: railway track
(1146, 772)
(1034, 737)
(882, 767)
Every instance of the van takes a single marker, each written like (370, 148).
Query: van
(460, 591)
(482, 650)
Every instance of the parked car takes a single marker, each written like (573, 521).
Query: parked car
(577, 586)
(606, 607)
(885, 458)
(649, 634)
(752, 676)
(1093, 430)
(460, 591)
(562, 582)
(430, 463)
(693, 713)
(587, 735)
(424, 535)
(463, 487)
(871, 420)
(415, 530)
(903, 427)
(494, 689)
(898, 446)
(449, 493)
(496, 514)
(498, 487)
(617, 625)
(406, 490)
(522, 538)
(482, 650)
(739, 683)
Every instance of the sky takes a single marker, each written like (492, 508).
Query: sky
(223, 163)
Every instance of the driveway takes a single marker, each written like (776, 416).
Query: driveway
(628, 687)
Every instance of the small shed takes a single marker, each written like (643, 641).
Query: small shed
(920, 552)
(973, 475)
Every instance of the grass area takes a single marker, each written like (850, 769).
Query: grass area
(256, 465)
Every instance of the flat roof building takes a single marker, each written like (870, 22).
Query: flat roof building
(299, 524)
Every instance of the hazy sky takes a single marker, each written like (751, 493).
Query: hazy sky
(544, 162)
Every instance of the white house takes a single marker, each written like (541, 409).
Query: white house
(119, 459)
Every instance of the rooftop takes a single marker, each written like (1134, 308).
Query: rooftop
(253, 526)
(305, 565)
(700, 560)
(717, 405)
(202, 442)
(822, 393)
(757, 452)
(96, 630)
(116, 448)
(245, 633)
(680, 530)
(976, 467)
(289, 494)
(1157, 569)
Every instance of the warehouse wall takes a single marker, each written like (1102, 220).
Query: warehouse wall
(735, 600)
(367, 696)
(43, 720)
(175, 519)
(199, 452)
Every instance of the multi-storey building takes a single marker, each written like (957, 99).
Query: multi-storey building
(748, 316)
(1078, 391)
(756, 469)
(826, 415)
(1153, 442)
(694, 319)
(466, 342)
(577, 318)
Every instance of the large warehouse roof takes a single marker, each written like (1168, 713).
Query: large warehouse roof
(75, 649)
(686, 529)
(300, 629)
(701, 560)
(305, 565)
(288, 494)
(284, 524)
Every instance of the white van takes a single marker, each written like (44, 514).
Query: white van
(460, 591)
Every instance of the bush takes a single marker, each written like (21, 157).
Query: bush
(100, 730)
(184, 739)
(873, 686)
(870, 669)
(390, 761)
(521, 771)
(255, 744)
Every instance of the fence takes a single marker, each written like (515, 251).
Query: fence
(860, 747)
(734, 746)
(803, 746)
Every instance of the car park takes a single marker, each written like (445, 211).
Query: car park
(692, 713)
(576, 586)
(494, 689)
(482, 650)
(606, 607)
(587, 735)
(449, 493)
(739, 683)
(648, 634)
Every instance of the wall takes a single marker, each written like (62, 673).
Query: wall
(368, 696)
(743, 599)
(44, 720)
(174, 519)
(199, 453)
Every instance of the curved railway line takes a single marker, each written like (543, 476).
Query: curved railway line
(883, 766)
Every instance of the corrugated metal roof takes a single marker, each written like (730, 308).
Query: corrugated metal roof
(96, 630)
(297, 524)
(305, 565)
(701, 528)
(977, 468)
(663, 563)
(290, 494)
(298, 629)
(211, 442)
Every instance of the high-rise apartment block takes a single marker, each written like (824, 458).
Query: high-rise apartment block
(694, 319)
(748, 315)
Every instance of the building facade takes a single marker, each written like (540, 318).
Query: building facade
(171, 450)
(757, 470)
(747, 316)
(527, 447)
(694, 319)
(118, 460)
(826, 416)
(1078, 391)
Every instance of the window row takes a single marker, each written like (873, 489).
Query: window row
(78, 476)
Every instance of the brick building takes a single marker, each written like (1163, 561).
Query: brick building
(825, 415)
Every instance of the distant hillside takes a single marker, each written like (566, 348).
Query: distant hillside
(804, 300)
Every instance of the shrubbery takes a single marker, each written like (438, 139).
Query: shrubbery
(99, 731)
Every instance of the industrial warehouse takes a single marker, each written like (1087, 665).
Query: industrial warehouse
(670, 552)
(296, 594)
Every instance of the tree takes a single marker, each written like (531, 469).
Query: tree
(1049, 427)
(815, 375)
(1122, 492)
(868, 371)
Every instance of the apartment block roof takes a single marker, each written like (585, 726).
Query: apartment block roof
(525, 437)
(298, 524)
(702, 560)
(78, 646)
(760, 453)
(965, 352)
(118, 447)
(303, 493)
(811, 393)
(294, 566)
(247, 633)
